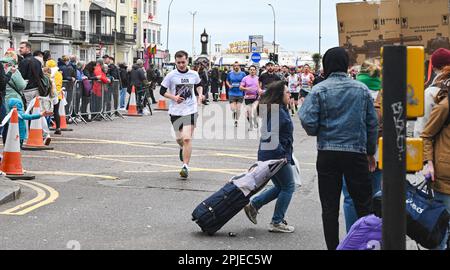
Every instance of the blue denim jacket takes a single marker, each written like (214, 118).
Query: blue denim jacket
(276, 136)
(340, 112)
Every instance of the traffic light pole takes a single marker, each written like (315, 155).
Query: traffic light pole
(394, 147)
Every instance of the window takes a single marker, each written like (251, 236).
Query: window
(145, 34)
(122, 24)
(65, 17)
(158, 36)
(83, 55)
(122, 1)
(83, 23)
(145, 6)
(65, 14)
(49, 13)
(153, 36)
(154, 8)
(28, 10)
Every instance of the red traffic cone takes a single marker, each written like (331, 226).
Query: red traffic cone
(132, 106)
(35, 141)
(223, 95)
(62, 114)
(162, 105)
(12, 160)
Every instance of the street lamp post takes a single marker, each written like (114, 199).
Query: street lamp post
(11, 42)
(168, 27)
(115, 30)
(274, 29)
(320, 27)
(193, 32)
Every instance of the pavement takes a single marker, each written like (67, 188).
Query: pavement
(115, 185)
(9, 191)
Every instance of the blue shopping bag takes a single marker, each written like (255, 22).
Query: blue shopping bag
(427, 218)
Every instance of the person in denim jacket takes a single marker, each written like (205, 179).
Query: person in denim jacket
(340, 113)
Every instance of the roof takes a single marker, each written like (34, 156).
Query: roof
(104, 10)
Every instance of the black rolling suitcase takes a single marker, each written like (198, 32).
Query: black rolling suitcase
(214, 212)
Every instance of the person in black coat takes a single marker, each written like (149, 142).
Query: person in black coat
(124, 84)
(223, 79)
(30, 69)
(205, 83)
(215, 83)
(139, 81)
(152, 78)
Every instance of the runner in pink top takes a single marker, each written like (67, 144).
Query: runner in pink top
(250, 86)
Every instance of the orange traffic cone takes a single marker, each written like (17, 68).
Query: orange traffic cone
(35, 141)
(12, 160)
(223, 95)
(162, 105)
(62, 114)
(132, 106)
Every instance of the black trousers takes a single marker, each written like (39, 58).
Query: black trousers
(331, 167)
(56, 115)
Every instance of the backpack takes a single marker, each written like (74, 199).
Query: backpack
(365, 234)
(44, 84)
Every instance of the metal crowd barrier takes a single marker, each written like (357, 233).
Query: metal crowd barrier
(105, 105)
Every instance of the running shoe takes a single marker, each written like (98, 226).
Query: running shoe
(184, 173)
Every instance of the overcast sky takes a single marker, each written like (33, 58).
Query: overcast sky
(234, 20)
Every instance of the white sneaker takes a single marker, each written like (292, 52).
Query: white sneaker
(47, 140)
(282, 227)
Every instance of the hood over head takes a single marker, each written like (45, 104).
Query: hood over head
(335, 60)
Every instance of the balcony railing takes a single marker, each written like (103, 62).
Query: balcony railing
(130, 38)
(18, 24)
(38, 28)
(42, 28)
(78, 35)
(101, 38)
(125, 38)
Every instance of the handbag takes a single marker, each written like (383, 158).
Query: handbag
(87, 87)
(426, 218)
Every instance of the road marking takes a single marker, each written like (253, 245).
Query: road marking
(35, 156)
(77, 156)
(53, 195)
(236, 156)
(223, 171)
(146, 144)
(40, 196)
(35, 203)
(135, 144)
(140, 156)
(60, 173)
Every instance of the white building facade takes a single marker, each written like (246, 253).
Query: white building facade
(86, 28)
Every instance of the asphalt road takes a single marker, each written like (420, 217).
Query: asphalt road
(115, 185)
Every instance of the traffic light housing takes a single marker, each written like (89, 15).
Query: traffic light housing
(414, 154)
(415, 82)
(270, 56)
(275, 58)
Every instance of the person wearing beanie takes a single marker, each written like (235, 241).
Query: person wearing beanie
(439, 59)
(340, 113)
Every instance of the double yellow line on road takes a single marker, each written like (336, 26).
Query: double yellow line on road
(40, 200)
